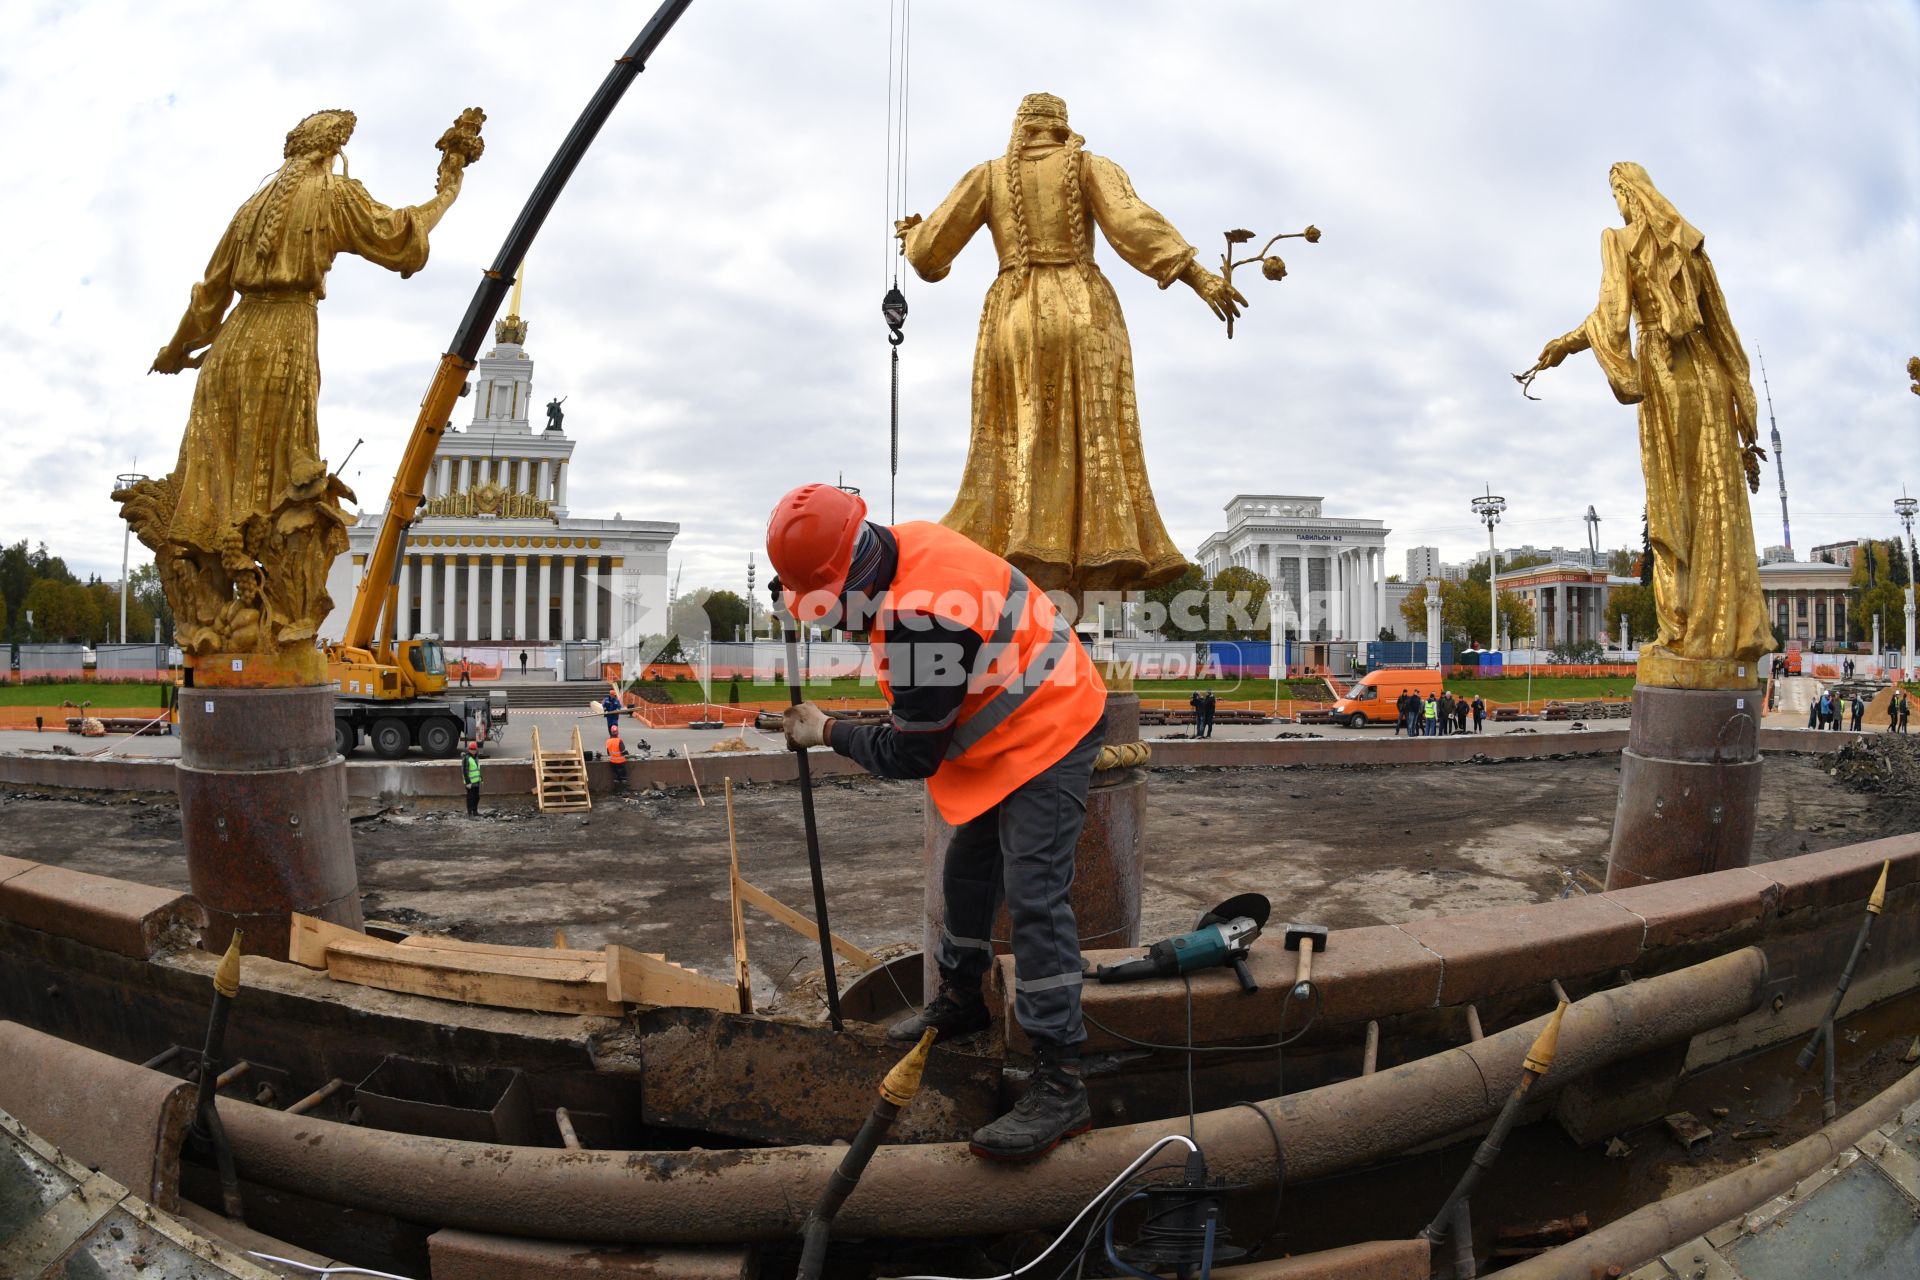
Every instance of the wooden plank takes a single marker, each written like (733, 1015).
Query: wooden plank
(500, 981)
(432, 942)
(742, 974)
(787, 916)
(308, 937)
(634, 978)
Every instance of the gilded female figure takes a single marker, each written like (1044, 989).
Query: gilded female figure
(1698, 438)
(1055, 479)
(246, 525)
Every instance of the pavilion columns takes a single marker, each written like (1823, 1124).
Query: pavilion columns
(403, 604)
(543, 600)
(1306, 623)
(566, 598)
(617, 619)
(592, 631)
(473, 598)
(426, 594)
(449, 587)
(517, 625)
(499, 598)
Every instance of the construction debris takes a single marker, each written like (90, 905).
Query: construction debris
(738, 742)
(1687, 1129)
(1881, 764)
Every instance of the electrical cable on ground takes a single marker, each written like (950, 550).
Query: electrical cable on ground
(1138, 1162)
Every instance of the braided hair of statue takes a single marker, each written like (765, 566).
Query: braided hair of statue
(321, 134)
(1045, 106)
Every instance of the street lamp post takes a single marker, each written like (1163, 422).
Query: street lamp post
(1904, 507)
(126, 481)
(1488, 508)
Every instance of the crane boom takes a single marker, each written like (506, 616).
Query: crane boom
(450, 379)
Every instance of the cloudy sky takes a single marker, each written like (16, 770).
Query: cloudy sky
(706, 294)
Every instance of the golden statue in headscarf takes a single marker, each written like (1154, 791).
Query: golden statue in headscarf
(1698, 436)
(1056, 480)
(247, 524)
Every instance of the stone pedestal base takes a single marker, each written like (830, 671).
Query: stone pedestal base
(263, 804)
(1689, 785)
(1107, 862)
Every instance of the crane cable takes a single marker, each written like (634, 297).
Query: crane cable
(893, 306)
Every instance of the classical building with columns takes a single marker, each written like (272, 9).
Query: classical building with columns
(496, 555)
(1329, 572)
(1808, 601)
(1569, 603)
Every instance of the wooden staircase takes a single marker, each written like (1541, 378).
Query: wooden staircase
(560, 777)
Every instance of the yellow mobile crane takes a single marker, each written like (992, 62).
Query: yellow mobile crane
(385, 688)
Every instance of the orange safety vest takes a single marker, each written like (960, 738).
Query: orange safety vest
(1034, 693)
(616, 751)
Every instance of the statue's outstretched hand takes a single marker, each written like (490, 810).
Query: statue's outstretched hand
(1222, 298)
(903, 225)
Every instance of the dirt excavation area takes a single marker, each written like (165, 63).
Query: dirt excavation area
(1344, 846)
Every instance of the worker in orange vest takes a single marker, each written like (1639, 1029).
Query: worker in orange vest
(617, 757)
(998, 706)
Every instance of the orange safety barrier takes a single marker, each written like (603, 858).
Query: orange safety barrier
(679, 715)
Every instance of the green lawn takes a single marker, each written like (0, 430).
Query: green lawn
(100, 695)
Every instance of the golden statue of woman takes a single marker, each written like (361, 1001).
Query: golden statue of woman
(1056, 480)
(246, 525)
(1698, 436)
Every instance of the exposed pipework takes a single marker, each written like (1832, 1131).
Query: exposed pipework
(938, 1189)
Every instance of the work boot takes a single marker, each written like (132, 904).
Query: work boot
(954, 1011)
(1054, 1107)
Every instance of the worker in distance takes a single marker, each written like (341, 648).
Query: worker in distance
(998, 706)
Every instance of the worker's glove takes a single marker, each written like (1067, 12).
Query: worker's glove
(806, 726)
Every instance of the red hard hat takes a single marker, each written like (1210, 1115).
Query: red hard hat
(810, 541)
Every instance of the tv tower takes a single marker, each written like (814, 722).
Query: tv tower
(1780, 463)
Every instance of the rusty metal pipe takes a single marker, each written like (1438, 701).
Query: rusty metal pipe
(317, 1097)
(1653, 1229)
(939, 1189)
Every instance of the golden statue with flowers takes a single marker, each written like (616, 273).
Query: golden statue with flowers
(244, 528)
(1055, 479)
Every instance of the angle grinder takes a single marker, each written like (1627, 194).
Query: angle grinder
(1222, 937)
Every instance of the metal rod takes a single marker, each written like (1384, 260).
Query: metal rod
(1826, 1087)
(206, 1117)
(232, 1073)
(1559, 992)
(1473, 1023)
(896, 1091)
(794, 680)
(1370, 1056)
(163, 1057)
(1538, 1062)
(1875, 901)
(317, 1097)
(1462, 1228)
(568, 1137)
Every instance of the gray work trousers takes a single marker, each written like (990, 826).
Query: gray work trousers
(1023, 848)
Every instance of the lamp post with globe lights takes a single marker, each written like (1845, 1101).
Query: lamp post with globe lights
(1488, 507)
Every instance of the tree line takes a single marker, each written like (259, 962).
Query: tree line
(41, 600)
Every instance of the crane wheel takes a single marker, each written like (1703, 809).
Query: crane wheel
(390, 738)
(344, 738)
(440, 738)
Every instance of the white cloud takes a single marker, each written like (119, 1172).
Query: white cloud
(707, 290)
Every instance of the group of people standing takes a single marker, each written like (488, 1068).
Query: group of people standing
(1438, 715)
(1203, 704)
(1835, 710)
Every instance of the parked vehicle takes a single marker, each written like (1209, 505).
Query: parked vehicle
(1372, 698)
